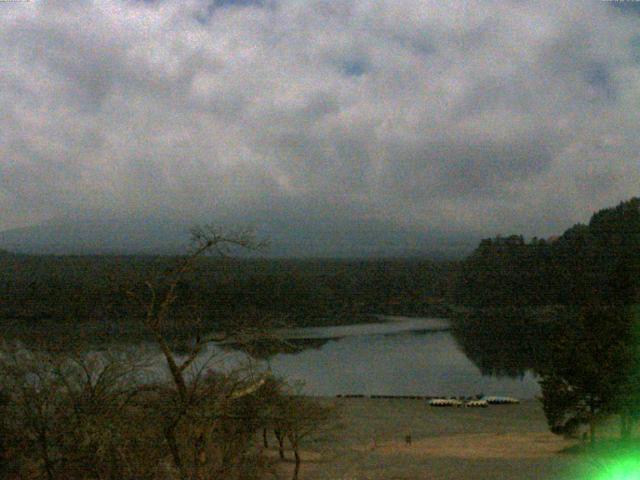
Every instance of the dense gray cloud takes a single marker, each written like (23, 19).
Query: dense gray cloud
(476, 116)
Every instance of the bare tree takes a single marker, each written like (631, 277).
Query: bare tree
(301, 419)
(86, 415)
(65, 414)
(189, 391)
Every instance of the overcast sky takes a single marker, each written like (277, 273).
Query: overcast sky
(458, 116)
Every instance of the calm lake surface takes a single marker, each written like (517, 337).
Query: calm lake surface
(397, 356)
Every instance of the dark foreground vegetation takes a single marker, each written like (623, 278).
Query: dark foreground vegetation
(80, 416)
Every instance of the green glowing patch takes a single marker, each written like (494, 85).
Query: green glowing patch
(627, 468)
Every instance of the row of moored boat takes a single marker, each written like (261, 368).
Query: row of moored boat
(480, 402)
(446, 402)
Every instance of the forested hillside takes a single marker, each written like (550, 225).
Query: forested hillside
(91, 290)
(588, 263)
(586, 348)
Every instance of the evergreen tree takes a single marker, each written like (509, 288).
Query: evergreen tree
(589, 369)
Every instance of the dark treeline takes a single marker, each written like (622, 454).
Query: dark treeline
(594, 262)
(41, 292)
(519, 294)
(588, 263)
(581, 291)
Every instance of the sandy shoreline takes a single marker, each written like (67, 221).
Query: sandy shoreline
(500, 442)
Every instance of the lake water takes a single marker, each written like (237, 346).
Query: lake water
(397, 356)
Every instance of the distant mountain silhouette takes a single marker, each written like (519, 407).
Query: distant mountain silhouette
(286, 237)
(98, 237)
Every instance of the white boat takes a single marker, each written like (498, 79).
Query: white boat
(494, 400)
(477, 403)
(445, 402)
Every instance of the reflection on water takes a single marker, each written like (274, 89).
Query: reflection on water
(397, 357)
(503, 343)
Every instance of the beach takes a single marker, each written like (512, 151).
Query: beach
(498, 442)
